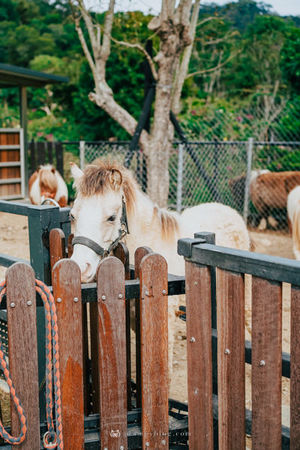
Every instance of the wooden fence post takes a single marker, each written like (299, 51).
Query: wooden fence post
(112, 353)
(199, 356)
(295, 369)
(231, 360)
(121, 252)
(154, 351)
(266, 364)
(22, 343)
(138, 256)
(67, 294)
(57, 246)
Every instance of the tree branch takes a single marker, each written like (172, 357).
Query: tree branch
(184, 65)
(85, 47)
(143, 50)
(212, 69)
(90, 28)
(109, 18)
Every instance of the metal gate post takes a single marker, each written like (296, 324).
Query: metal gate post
(82, 154)
(248, 177)
(40, 222)
(179, 178)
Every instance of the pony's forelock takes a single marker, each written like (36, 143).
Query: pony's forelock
(96, 179)
(47, 178)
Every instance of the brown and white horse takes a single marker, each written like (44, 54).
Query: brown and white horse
(293, 210)
(47, 183)
(102, 191)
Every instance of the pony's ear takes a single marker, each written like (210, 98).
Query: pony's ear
(75, 171)
(115, 178)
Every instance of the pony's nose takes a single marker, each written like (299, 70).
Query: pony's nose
(86, 272)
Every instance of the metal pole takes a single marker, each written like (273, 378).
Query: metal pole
(179, 178)
(24, 142)
(81, 154)
(248, 177)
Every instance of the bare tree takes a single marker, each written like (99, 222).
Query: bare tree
(175, 27)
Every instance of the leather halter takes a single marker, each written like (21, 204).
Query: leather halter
(82, 240)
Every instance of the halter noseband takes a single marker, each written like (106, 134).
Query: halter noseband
(82, 240)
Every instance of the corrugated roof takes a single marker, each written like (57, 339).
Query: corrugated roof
(19, 76)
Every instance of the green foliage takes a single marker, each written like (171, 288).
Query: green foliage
(254, 49)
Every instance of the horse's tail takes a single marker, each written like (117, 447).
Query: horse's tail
(296, 231)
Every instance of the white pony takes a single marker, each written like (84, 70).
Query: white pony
(293, 212)
(46, 183)
(97, 212)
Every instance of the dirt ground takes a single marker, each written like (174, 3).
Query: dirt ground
(14, 241)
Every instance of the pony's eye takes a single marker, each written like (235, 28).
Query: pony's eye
(72, 218)
(111, 218)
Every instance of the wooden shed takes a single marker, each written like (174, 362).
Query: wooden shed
(13, 141)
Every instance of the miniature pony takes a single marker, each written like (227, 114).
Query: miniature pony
(47, 183)
(102, 191)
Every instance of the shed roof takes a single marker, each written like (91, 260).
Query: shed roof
(19, 76)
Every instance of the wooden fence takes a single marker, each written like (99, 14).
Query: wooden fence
(209, 268)
(92, 330)
(93, 323)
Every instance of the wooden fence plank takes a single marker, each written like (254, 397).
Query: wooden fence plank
(199, 356)
(57, 245)
(154, 351)
(22, 343)
(231, 360)
(139, 254)
(266, 364)
(70, 246)
(67, 287)
(112, 353)
(295, 369)
(121, 252)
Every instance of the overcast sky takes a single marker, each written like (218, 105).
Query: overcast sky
(282, 7)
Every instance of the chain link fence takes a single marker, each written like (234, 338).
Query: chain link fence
(216, 171)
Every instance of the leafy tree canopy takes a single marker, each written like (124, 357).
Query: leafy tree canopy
(242, 51)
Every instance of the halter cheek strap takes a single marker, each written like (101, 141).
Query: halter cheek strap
(96, 247)
(88, 243)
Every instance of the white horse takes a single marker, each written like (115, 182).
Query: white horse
(293, 211)
(46, 183)
(102, 191)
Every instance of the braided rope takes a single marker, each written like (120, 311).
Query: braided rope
(51, 439)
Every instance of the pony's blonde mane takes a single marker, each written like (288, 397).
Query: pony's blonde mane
(96, 180)
(47, 178)
(167, 222)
